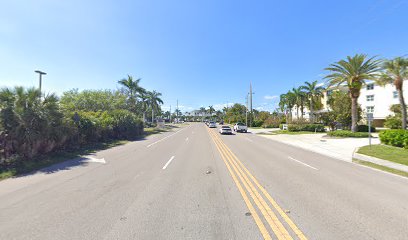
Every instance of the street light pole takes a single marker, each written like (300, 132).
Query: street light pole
(40, 73)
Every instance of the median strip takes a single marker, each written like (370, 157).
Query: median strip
(238, 169)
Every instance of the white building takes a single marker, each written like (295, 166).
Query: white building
(373, 99)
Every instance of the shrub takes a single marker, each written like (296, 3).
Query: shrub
(393, 122)
(306, 127)
(395, 137)
(257, 123)
(364, 128)
(271, 122)
(346, 133)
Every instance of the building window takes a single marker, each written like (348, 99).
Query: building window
(370, 98)
(395, 94)
(370, 86)
(370, 109)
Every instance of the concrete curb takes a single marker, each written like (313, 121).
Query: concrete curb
(379, 161)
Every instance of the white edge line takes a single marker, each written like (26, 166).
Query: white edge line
(307, 165)
(168, 162)
(163, 138)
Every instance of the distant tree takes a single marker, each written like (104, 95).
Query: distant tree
(132, 89)
(314, 94)
(154, 101)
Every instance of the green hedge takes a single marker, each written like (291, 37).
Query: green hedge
(364, 128)
(346, 133)
(306, 127)
(395, 137)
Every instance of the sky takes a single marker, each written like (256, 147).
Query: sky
(200, 53)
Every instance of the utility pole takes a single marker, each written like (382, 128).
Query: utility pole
(246, 110)
(177, 112)
(170, 113)
(40, 80)
(250, 103)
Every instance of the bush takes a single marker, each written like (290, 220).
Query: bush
(306, 127)
(393, 122)
(271, 122)
(257, 123)
(346, 133)
(395, 137)
(364, 128)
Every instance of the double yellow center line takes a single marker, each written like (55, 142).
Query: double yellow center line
(240, 174)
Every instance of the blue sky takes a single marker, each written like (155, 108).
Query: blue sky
(199, 52)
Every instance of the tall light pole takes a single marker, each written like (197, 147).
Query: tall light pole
(40, 73)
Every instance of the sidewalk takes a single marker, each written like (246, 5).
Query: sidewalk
(339, 148)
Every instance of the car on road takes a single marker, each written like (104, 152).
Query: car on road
(240, 127)
(212, 125)
(225, 130)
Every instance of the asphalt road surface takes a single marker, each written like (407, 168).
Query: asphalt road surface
(196, 184)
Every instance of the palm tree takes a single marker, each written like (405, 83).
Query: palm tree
(144, 98)
(202, 110)
(286, 103)
(353, 72)
(154, 101)
(211, 110)
(396, 71)
(132, 89)
(313, 92)
(300, 100)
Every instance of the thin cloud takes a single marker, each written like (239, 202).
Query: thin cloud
(268, 97)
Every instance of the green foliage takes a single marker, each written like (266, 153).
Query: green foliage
(393, 122)
(340, 104)
(31, 125)
(364, 128)
(236, 113)
(346, 133)
(272, 122)
(308, 127)
(395, 137)
(93, 100)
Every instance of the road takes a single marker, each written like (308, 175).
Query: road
(195, 184)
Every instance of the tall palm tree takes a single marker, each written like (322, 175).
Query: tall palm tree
(313, 92)
(287, 102)
(211, 110)
(354, 71)
(202, 110)
(144, 98)
(396, 71)
(132, 89)
(154, 101)
(300, 100)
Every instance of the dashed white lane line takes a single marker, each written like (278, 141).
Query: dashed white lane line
(307, 165)
(164, 138)
(95, 160)
(168, 162)
(187, 139)
(249, 139)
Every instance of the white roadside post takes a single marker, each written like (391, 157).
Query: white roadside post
(369, 119)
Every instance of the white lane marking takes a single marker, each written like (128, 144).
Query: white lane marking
(249, 139)
(307, 165)
(164, 138)
(96, 160)
(168, 162)
(187, 139)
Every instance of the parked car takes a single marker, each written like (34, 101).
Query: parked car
(212, 125)
(240, 127)
(225, 130)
